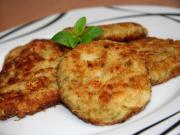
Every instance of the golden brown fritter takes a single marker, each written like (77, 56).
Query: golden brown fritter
(122, 31)
(103, 82)
(28, 78)
(162, 57)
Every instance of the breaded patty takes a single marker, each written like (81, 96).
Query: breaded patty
(122, 31)
(28, 79)
(162, 57)
(103, 82)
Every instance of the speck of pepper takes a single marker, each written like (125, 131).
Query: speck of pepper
(106, 46)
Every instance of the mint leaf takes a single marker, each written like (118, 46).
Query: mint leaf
(66, 38)
(80, 26)
(79, 34)
(62, 37)
(91, 33)
(73, 41)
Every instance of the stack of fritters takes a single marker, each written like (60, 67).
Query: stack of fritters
(28, 78)
(103, 82)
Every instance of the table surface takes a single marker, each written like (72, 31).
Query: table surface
(16, 12)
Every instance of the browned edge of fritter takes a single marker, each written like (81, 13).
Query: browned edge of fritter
(97, 123)
(174, 73)
(40, 103)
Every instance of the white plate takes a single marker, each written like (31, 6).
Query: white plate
(162, 22)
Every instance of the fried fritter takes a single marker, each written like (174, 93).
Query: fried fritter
(122, 31)
(103, 82)
(28, 79)
(162, 57)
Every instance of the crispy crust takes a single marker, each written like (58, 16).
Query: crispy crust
(21, 105)
(103, 82)
(99, 123)
(122, 31)
(28, 79)
(162, 57)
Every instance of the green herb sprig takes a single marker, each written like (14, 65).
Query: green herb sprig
(79, 34)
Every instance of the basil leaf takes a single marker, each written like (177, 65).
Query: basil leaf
(80, 26)
(62, 37)
(91, 33)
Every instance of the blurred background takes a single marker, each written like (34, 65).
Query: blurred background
(16, 12)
